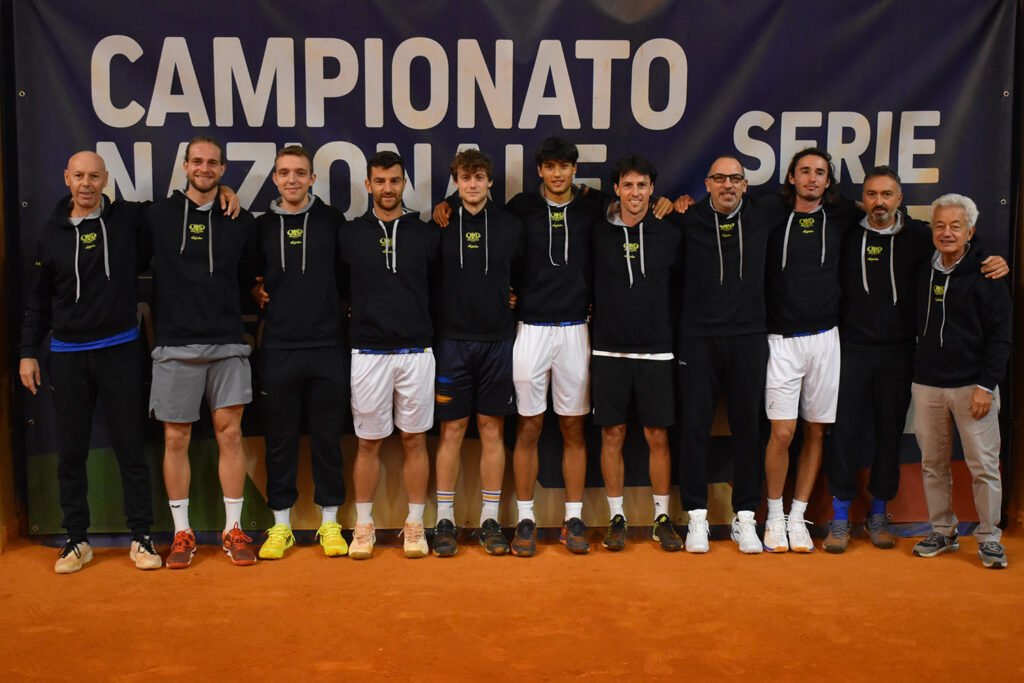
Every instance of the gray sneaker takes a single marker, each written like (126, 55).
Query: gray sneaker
(992, 554)
(877, 527)
(936, 544)
(838, 536)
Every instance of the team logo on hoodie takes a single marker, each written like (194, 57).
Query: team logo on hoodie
(89, 240)
(557, 220)
(386, 245)
(939, 292)
(874, 252)
(808, 225)
(726, 230)
(197, 232)
(473, 238)
(294, 236)
(630, 248)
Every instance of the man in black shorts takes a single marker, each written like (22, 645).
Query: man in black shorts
(474, 348)
(634, 255)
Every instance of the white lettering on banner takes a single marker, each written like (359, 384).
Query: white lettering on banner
(139, 189)
(356, 162)
(278, 68)
(177, 90)
(262, 155)
(176, 60)
(847, 152)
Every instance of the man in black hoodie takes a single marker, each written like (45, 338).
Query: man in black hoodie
(303, 364)
(474, 359)
(391, 255)
(802, 297)
(200, 261)
(723, 345)
(963, 345)
(635, 256)
(84, 290)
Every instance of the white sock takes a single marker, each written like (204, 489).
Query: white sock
(797, 510)
(232, 513)
(574, 509)
(179, 513)
(660, 505)
(491, 501)
(416, 513)
(283, 517)
(329, 513)
(615, 506)
(364, 513)
(775, 510)
(446, 505)
(525, 510)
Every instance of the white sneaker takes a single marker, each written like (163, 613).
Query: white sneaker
(744, 532)
(775, 540)
(363, 538)
(415, 540)
(144, 555)
(73, 556)
(697, 532)
(799, 538)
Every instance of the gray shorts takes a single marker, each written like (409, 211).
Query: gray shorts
(182, 374)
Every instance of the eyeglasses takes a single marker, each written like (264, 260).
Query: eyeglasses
(719, 178)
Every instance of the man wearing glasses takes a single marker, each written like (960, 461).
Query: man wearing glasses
(723, 345)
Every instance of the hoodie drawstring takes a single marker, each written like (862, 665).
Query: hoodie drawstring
(487, 254)
(785, 239)
(718, 236)
(209, 237)
(106, 258)
(78, 280)
(928, 311)
(391, 255)
(565, 230)
(892, 265)
(625, 250)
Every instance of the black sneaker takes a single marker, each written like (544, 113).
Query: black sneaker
(664, 533)
(574, 536)
(445, 544)
(993, 555)
(615, 537)
(525, 542)
(936, 544)
(491, 538)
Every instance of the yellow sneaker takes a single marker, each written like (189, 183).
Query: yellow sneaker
(363, 538)
(331, 540)
(279, 539)
(415, 540)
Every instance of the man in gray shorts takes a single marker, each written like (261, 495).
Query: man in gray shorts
(199, 258)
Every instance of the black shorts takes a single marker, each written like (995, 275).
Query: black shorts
(616, 382)
(473, 377)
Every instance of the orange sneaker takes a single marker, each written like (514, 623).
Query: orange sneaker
(182, 550)
(237, 548)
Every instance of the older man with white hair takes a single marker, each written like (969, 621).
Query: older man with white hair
(964, 339)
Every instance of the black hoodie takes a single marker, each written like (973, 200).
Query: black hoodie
(200, 260)
(300, 261)
(556, 262)
(391, 265)
(479, 254)
(84, 286)
(633, 272)
(964, 325)
(723, 294)
(802, 284)
(878, 274)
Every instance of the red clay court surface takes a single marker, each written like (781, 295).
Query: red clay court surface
(638, 615)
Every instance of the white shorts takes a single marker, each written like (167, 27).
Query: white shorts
(557, 353)
(383, 385)
(803, 377)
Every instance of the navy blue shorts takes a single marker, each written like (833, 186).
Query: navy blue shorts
(473, 377)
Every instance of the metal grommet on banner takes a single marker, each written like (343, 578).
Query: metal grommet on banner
(1002, 202)
(21, 93)
(24, 205)
(1006, 93)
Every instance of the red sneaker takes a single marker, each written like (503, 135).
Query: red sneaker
(237, 548)
(182, 550)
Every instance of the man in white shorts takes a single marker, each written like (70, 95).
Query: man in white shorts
(802, 297)
(390, 254)
(199, 259)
